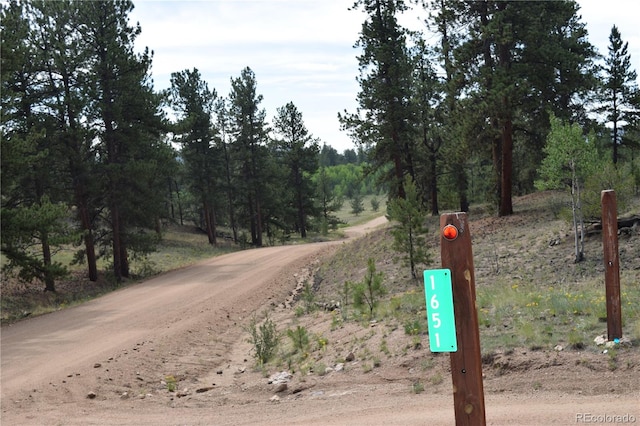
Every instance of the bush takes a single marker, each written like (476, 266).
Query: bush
(370, 290)
(264, 338)
(300, 338)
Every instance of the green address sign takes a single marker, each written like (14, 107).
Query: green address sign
(440, 315)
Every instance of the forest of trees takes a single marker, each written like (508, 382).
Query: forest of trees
(470, 111)
(91, 156)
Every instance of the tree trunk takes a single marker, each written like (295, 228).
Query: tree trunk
(506, 206)
(124, 258)
(615, 138)
(258, 223)
(89, 246)
(85, 224)
(115, 244)
(300, 201)
(209, 218)
(434, 183)
(577, 217)
(232, 216)
(49, 281)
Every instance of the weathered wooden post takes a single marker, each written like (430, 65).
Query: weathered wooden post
(466, 362)
(611, 263)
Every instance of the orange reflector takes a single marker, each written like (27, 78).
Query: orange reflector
(450, 232)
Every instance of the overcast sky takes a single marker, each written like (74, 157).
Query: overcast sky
(301, 51)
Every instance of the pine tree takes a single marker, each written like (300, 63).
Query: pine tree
(518, 63)
(32, 209)
(298, 152)
(428, 113)
(66, 72)
(368, 292)
(327, 201)
(620, 95)
(381, 120)
(357, 202)
(127, 114)
(249, 149)
(409, 230)
(194, 102)
(224, 128)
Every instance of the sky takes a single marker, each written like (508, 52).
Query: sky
(301, 51)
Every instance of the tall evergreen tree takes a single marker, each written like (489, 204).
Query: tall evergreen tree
(249, 149)
(298, 152)
(518, 63)
(620, 95)
(65, 71)
(194, 102)
(32, 209)
(383, 114)
(224, 128)
(327, 202)
(126, 113)
(428, 109)
(447, 19)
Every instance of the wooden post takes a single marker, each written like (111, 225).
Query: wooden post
(611, 264)
(466, 363)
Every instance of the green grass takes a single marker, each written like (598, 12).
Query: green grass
(542, 316)
(350, 219)
(180, 246)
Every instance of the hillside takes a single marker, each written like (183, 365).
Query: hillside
(539, 314)
(539, 311)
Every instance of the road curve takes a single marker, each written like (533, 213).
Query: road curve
(40, 350)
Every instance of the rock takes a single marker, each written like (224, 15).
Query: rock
(278, 378)
(625, 341)
(219, 372)
(600, 340)
(124, 395)
(339, 367)
(282, 387)
(97, 365)
(91, 395)
(558, 348)
(205, 389)
(274, 398)
(350, 357)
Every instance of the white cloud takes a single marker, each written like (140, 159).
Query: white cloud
(600, 16)
(300, 50)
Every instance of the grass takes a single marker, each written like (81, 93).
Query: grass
(180, 246)
(350, 219)
(533, 315)
(529, 294)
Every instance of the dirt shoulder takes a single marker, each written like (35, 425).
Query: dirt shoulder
(109, 361)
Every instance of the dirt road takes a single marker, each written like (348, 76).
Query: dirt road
(106, 362)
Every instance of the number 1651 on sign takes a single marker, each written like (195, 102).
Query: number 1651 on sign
(440, 315)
